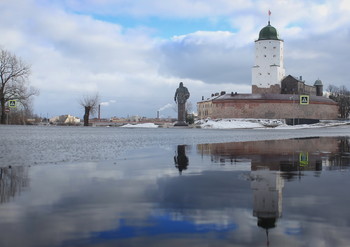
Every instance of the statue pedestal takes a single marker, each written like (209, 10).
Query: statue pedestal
(180, 123)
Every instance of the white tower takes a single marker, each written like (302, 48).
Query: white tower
(268, 69)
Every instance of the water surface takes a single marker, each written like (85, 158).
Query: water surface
(253, 193)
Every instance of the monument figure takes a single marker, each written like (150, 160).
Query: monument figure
(181, 96)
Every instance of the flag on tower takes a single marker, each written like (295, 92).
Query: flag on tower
(269, 12)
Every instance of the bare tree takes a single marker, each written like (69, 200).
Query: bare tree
(14, 81)
(22, 114)
(90, 104)
(341, 95)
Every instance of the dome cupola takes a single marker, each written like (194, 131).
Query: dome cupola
(268, 33)
(318, 82)
(319, 87)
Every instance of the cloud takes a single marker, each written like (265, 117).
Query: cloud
(167, 9)
(78, 47)
(211, 57)
(107, 103)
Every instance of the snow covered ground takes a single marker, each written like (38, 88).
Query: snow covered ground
(141, 125)
(261, 123)
(235, 123)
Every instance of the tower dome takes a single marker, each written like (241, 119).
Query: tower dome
(268, 33)
(319, 87)
(318, 82)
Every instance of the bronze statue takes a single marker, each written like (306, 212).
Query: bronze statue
(181, 96)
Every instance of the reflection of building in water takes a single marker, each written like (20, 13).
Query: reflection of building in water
(180, 159)
(289, 156)
(267, 193)
(12, 181)
(272, 162)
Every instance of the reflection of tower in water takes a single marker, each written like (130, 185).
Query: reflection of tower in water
(180, 159)
(267, 193)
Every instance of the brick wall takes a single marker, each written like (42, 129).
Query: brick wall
(273, 109)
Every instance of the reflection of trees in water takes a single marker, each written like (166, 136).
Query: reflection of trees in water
(12, 181)
(341, 160)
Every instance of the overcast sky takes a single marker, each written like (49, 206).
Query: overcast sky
(135, 53)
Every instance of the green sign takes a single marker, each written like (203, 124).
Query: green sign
(304, 99)
(12, 103)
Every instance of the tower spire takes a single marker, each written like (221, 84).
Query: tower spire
(269, 13)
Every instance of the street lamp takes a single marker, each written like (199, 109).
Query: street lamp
(292, 98)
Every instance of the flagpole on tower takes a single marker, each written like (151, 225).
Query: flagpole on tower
(269, 16)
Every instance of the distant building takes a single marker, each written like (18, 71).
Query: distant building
(65, 119)
(134, 118)
(274, 95)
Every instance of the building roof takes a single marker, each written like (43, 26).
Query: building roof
(293, 77)
(268, 33)
(283, 97)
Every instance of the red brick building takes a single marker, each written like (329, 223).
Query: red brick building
(267, 106)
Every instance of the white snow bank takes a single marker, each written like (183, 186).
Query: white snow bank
(141, 125)
(260, 123)
(239, 123)
(316, 125)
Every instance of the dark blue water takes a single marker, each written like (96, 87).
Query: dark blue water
(251, 193)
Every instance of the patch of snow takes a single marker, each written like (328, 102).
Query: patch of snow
(260, 123)
(234, 123)
(321, 124)
(141, 125)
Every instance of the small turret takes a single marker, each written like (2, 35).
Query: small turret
(319, 87)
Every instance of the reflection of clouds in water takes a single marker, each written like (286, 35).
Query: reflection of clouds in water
(86, 198)
(75, 204)
(292, 227)
(79, 199)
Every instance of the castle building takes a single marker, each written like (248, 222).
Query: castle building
(274, 95)
(268, 69)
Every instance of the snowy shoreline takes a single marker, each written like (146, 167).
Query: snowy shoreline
(263, 124)
(235, 123)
